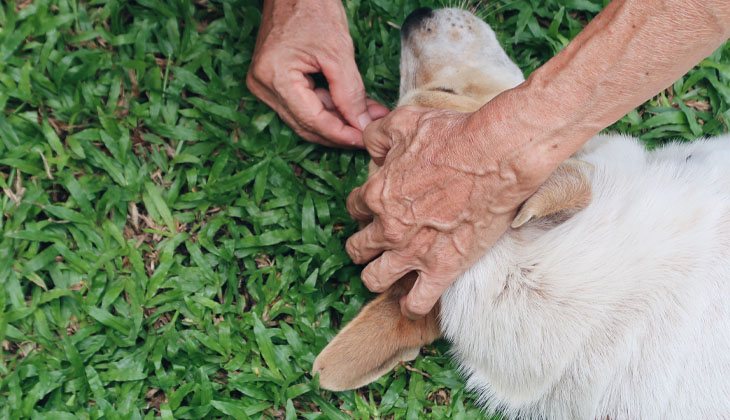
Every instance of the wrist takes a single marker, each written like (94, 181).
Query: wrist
(310, 9)
(524, 143)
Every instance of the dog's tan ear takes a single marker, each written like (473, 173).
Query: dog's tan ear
(375, 341)
(567, 191)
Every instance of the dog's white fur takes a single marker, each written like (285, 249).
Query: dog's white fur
(623, 310)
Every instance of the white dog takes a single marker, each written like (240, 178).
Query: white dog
(609, 298)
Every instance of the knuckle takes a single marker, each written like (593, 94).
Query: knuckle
(418, 306)
(351, 203)
(390, 263)
(307, 121)
(423, 245)
(352, 251)
(370, 280)
(406, 115)
(250, 82)
(371, 192)
(420, 309)
(307, 124)
(355, 211)
(409, 312)
(392, 234)
(257, 72)
(343, 43)
(354, 88)
(254, 84)
(371, 131)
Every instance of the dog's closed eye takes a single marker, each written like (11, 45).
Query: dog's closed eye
(445, 90)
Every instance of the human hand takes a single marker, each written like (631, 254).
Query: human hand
(442, 196)
(299, 38)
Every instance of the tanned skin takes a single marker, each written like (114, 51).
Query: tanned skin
(298, 38)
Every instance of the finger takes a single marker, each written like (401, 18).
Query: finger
(310, 112)
(356, 205)
(278, 104)
(376, 110)
(399, 125)
(380, 274)
(326, 99)
(348, 91)
(366, 244)
(423, 296)
(289, 119)
(267, 97)
(377, 141)
(310, 81)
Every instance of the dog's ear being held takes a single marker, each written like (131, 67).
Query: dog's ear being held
(567, 191)
(375, 341)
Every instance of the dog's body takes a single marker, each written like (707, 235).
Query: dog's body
(621, 311)
(610, 298)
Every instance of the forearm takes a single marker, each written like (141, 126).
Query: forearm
(278, 11)
(628, 53)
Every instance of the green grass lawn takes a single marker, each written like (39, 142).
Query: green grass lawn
(170, 248)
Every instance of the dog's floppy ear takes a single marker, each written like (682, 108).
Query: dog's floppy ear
(375, 341)
(567, 191)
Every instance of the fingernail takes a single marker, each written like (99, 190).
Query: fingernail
(364, 119)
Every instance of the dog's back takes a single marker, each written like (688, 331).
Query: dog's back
(622, 310)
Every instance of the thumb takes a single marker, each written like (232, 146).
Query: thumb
(377, 141)
(348, 91)
(422, 297)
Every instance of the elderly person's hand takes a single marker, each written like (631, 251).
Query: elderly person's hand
(446, 191)
(299, 38)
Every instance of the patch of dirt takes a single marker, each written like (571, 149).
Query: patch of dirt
(440, 397)
(155, 398)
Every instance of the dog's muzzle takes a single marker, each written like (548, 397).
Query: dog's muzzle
(414, 20)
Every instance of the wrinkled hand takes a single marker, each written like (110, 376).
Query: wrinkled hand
(301, 38)
(442, 196)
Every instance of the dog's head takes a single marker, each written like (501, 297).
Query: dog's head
(450, 59)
